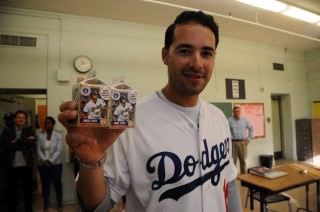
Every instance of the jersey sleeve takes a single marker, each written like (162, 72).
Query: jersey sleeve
(116, 169)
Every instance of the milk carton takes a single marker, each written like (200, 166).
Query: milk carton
(123, 106)
(93, 98)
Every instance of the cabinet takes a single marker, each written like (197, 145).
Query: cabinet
(308, 139)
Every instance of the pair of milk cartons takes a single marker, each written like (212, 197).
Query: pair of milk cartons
(100, 105)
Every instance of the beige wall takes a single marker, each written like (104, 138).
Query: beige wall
(313, 74)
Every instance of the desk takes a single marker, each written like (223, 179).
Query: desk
(293, 180)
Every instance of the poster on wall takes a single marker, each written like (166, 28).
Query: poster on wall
(235, 89)
(254, 112)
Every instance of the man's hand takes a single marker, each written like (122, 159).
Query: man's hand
(247, 141)
(31, 137)
(88, 143)
(47, 163)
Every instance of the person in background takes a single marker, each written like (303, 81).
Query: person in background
(49, 151)
(8, 119)
(178, 156)
(19, 143)
(241, 132)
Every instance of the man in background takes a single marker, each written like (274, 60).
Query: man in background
(241, 133)
(19, 144)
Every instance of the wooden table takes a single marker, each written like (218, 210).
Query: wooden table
(293, 180)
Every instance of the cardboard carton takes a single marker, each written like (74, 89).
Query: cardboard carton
(123, 99)
(93, 99)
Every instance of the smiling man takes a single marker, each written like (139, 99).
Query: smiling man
(178, 157)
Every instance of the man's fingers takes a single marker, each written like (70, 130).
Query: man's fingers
(67, 116)
(75, 140)
(68, 105)
(85, 148)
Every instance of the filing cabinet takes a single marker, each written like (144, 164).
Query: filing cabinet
(308, 139)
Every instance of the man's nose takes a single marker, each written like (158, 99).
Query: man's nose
(196, 61)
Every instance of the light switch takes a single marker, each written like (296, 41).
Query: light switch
(63, 75)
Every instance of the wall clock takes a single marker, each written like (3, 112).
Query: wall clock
(82, 63)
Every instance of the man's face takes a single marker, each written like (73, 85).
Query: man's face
(20, 120)
(190, 59)
(49, 125)
(236, 113)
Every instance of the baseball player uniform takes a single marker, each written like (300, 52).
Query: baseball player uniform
(170, 163)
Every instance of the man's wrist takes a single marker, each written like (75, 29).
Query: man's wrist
(94, 164)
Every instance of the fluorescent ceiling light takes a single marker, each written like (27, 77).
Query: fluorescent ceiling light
(271, 5)
(301, 14)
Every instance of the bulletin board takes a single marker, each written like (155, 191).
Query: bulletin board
(254, 112)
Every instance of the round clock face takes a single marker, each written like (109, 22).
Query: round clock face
(82, 64)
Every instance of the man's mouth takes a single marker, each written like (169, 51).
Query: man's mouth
(193, 75)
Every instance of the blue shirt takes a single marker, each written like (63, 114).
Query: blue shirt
(240, 128)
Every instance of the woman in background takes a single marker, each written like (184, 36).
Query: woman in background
(49, 149)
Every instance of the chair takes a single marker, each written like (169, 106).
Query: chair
(302, 209)
(270, 199)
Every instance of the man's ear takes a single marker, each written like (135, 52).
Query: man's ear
(164, 54)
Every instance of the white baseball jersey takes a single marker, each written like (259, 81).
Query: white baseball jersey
(166, 163)
(93, 109)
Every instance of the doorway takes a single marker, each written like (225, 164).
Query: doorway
(29, 100)
(32, 101)
(277, 127)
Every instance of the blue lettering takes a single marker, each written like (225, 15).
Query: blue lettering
(158, 163)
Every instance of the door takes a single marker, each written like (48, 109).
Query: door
(276, 127)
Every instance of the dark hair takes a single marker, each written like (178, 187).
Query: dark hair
(20, 111)
(236, 107)
(8, 115)
(188, 17)
(51, 119)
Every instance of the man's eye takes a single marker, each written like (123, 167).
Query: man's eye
(207, 53)
(184, 52)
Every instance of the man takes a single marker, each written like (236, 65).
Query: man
(93, 108)
(178, 157)
(241, 132)
(19, 143)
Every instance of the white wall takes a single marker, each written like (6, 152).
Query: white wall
(133, 50)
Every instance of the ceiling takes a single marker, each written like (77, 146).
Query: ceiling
(235, 19)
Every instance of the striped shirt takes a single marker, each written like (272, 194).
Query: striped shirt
(241, 129)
